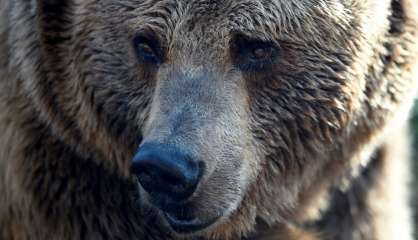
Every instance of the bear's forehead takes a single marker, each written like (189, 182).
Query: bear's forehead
(228, 10)
(267, 18)
(233, 9)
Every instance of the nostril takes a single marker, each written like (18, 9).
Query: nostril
(145, 173)
(173, 178)
(166, 171)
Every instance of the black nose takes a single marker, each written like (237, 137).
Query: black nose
(166, 171)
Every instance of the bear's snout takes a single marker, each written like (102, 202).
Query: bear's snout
(166, 172)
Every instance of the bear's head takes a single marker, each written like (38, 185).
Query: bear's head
(222, 112)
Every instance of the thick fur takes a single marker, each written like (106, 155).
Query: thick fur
(315, 147)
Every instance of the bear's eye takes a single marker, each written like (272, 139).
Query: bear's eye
(253, 55)
(261, 53)
(148, 49)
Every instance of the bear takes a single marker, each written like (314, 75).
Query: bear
(206, 119)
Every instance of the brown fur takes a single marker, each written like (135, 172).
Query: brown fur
(314, 147)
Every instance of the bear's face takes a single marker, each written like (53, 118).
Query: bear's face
(228, 107)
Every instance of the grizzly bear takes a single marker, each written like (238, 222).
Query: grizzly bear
(206, 119)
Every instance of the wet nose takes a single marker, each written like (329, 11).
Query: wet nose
(166, 171)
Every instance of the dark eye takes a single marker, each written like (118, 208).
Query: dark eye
(253, 55)
(148, 49)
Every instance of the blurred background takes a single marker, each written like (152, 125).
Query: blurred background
(414, 130)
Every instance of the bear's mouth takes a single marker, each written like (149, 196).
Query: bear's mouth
(185, 218)
(191, 225)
